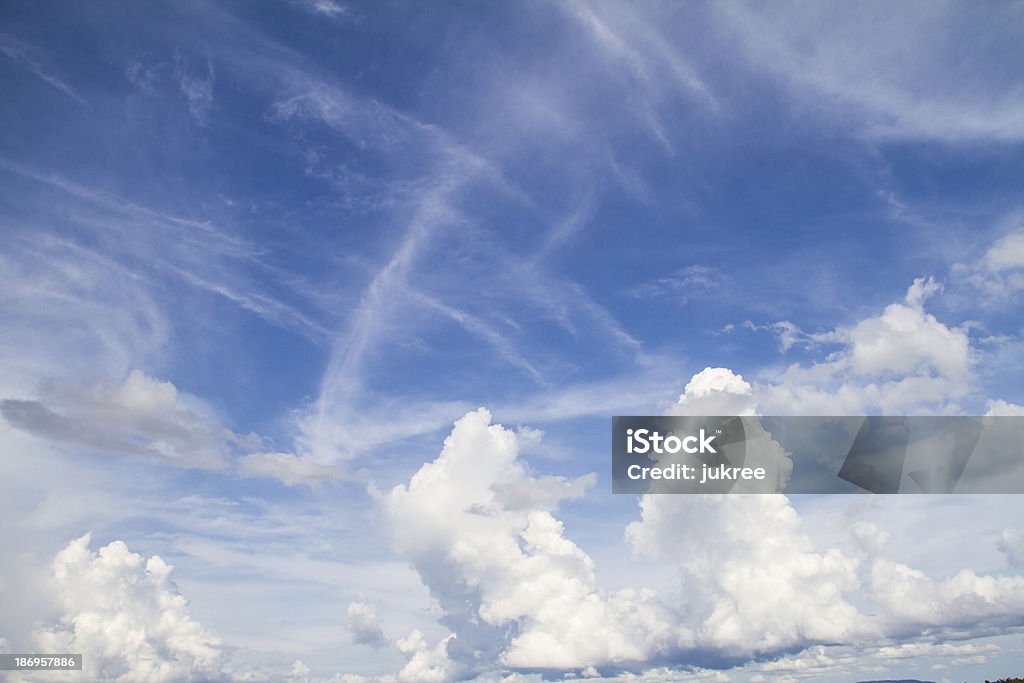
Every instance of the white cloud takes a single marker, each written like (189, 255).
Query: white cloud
(869, 536)
(364, 624)
(754, 584)
(127, 616)
(999, 407)
(920, 290)
(715, 391)
(426, 664)
(999, 273)
(789, 334)
(299, 671)
(752, 580)
(900, 361)
(905, 339)
(285, 467)
(1011, 544)
(912, 600)
(1007, 253)
(513, 588)
(928, 649)
(146, 417)
(141, 416)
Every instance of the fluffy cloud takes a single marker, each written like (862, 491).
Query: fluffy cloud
(913, 600)
(999, 273)
(715, 391)
(364, 625)
(905, 340)
(127, 614)
(1003, 408)
(751, 578)
(894, 362)
(899, 361)
(513, 588)
(869, 537)
(426, 664)
(515, 591)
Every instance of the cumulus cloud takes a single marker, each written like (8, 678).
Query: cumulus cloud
(738, 555)
(479, 527)
(913, 600)
(364, 625)
(299, 671)
(514, 589)
(426, 664)
(127, 614)
(999, 273)
(752, 580)
(902, 360)
(905, 339)
(869, 536)
(1001, 408)
(715, 391)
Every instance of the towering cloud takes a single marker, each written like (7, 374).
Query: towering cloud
(127, 614)
(513, 588)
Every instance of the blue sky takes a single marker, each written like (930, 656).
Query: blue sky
(264, 263)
